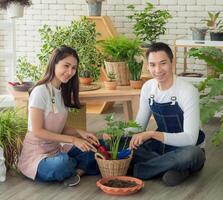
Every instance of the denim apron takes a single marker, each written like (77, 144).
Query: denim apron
(153, 157)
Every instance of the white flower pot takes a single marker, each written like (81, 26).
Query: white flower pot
(15, 10)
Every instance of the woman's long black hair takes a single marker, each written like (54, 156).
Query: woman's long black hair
(69, 90)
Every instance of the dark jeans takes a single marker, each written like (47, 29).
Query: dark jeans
(154, 158)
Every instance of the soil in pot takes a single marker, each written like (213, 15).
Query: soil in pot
(117, 183)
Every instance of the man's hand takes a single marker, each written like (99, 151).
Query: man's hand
(139, 138)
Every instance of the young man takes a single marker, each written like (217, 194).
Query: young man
(174, 150)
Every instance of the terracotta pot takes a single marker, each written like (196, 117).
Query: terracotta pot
(110, 85)
(85, 81)
(136, 84)
(120, 191)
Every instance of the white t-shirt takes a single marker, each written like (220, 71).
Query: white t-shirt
(188, 99)
(40, 98)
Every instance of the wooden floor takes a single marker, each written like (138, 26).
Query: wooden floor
(207, 185)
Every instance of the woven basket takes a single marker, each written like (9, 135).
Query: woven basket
(112, 167)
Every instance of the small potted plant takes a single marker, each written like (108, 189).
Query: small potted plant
(215, 26)
(12, 132)
(94, 7)
(120, 156)
(15, 8)
(135, 69)
(26, 74)
(149, 23)
(198, 33)
(85, 77)
(110, 83)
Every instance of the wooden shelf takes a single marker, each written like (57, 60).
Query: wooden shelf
(105, 27)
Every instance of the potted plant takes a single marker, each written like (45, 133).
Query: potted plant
(149, 23)
(15, 8)
(94, 7)
(85, 77)
(198, 33)
(116, 53)
(12, 132)
(111, 83)
(212, 87)
(81, 35)
(215, 26)
(117, 164)
(135, 69)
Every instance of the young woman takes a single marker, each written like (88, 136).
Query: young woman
(174, 150)
(42, 156)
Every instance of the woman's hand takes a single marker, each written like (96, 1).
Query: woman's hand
(138, 139)
(90, 137)
(83, 144)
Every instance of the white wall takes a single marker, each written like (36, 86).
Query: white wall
(185, 13)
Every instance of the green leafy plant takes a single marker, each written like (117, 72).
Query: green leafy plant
(81, 35)
(211, 100)
(5, 3)
(117, 49)
(149, 23)
(27, 71)
(213, 23)
(13, 127)
(117, 129)
(111, 76)
(135, 69)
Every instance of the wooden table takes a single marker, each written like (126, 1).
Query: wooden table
(125, 94)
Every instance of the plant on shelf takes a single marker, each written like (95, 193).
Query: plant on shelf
(116, 52)
(215, 26)
(116, 146)
(85, 76)
(111, 83)
(12, 132)
(212, 87)
(149, 23)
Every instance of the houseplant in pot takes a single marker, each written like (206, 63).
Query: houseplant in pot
(26, 74)
(85, 76)
(15, 8)
(198, 33)
(110, 83)
(116, 163)
(149, 23)
(215, 26)
(94, 7)
(212, 87)
(12, 132)
(115, 51)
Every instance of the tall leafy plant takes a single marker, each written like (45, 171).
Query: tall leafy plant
(13, 127)
(149, 23)
(116, 130)
(212, 87)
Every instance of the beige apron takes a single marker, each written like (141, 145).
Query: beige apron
(35, 149)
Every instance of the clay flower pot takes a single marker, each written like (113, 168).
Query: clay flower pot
(85, 81)
(120, 185)
(136, 84)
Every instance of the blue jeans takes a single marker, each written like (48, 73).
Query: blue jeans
(153, 158)
(63, 165)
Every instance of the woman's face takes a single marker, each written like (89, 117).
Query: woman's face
(160, 67)
(65, 69)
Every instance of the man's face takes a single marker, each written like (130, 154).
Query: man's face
(160, 66)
